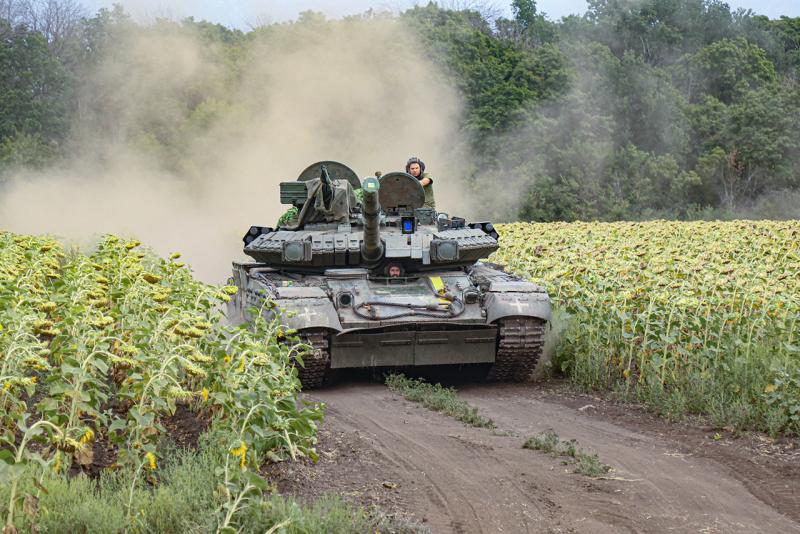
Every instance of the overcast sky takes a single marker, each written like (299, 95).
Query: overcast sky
(245, 13)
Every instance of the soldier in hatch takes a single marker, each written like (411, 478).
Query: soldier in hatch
(394, 270)
(416, 168)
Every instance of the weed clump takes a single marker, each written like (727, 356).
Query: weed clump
(585, 464)
(437, 398)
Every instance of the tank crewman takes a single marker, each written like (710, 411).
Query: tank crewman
(394, 270)
(416, 168)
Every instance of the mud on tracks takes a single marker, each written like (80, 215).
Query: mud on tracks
(378, 449)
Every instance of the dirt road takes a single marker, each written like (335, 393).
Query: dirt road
(378, 448)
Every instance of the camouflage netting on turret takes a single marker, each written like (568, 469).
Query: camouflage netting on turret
(290, 216)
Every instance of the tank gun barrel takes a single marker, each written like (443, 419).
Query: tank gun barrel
(371, 247)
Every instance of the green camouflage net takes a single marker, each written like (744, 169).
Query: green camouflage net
(288, 217)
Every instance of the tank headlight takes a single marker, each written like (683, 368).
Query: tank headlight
(345, 299)
(446, 250)
(294, 251)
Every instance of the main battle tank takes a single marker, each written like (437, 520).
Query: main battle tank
(387, 282)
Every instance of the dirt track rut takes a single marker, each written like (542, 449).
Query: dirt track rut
(463, 479)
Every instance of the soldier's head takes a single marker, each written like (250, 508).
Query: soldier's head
(415, 166)
(394, 271)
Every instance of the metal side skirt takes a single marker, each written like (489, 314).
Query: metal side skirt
(413, 348)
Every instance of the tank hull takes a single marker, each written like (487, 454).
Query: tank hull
(353, 319)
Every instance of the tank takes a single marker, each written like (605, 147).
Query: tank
(368, 277)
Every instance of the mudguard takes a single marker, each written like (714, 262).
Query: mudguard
(306, 307)
(508, 299)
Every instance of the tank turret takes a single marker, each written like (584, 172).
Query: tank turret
(386, 281)
(390, 226)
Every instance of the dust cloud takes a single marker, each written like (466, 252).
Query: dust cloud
(176, 148)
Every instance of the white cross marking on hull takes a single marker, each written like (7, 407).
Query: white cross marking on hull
(306, 314)
(519, 305)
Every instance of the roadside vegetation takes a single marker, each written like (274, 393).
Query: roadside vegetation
(183, 496)
(438, 398)
(585, 463)
(100, 354)
(688, 318)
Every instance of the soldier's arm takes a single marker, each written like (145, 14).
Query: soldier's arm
(426, 180)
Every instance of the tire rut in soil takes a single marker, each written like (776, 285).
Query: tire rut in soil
(463, 479)
(441, 457)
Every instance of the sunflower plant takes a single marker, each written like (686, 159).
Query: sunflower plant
(103, 347)
(700, 315)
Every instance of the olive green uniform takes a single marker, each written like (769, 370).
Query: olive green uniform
(430, 202)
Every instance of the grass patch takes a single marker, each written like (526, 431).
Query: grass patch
(437, 398)
(585, 463)
(184, 496)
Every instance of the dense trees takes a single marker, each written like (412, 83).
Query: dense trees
(645, 108)
(33, 94)
(671, 108)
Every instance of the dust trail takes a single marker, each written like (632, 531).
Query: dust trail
(182, 143)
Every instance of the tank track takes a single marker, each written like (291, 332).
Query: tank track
(520, 344)
(317, 361)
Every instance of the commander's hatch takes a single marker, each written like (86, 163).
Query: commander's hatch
(338, 172)
(400, 192)
(296, 193)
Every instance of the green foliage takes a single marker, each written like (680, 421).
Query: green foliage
(653, 108)
(33, 106)
(437, 398)
(659, 31)
(108, 344)
(497, 77)
(287, 217)
(585, 464)
(26, 150)
(783, 398)
(524, 12)
(745, 149)
(547, 441)
(185, 498)
(687, 318)
(727, 70)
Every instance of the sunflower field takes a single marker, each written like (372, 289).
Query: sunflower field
(97, 353)
(697, 317)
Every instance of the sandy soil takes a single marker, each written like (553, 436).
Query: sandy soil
(378, 449)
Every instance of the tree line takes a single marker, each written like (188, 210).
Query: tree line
(637, 109)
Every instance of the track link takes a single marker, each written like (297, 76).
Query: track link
(520, 343)
(316, 361)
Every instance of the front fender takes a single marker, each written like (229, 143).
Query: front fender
(508, 304)
(300, 313)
